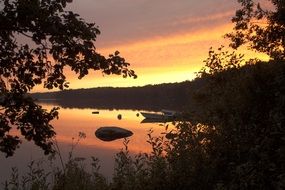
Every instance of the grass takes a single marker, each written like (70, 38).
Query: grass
(144, 171)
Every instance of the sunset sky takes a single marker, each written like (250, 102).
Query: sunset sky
(164, 40)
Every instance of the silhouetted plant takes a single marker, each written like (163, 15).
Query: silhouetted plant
(39, 39)
(73, 175)
(220, 61)
(36, 178)
(242, 105)
(236, 138)
(130, 173)
(261, 27)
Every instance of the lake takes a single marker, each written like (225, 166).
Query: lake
(72, 121)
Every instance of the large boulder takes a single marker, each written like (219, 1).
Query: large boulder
(111, 133)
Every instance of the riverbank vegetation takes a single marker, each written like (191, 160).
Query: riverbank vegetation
(235, 136)
(235, 140)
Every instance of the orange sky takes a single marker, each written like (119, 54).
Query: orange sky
(164, 41)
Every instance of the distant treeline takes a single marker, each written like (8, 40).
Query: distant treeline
(233, 136)
(151, 97)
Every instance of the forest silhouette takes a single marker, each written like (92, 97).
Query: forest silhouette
(234, 136)
(173, 96)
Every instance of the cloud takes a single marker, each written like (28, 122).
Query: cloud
(124, 21)
(164, 40)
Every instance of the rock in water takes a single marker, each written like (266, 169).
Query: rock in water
(111, 133)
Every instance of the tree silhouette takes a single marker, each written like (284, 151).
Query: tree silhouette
(38, 39)
(261, 28)
(244, 103)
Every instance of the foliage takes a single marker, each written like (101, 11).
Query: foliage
(236, 141)
(76, 177)
(36, 178)
(72, 175)
(187, 156)
(240, 144)
(179, 160)
(39, 39)
(219, 62)
(236, 138)
(261, 27)
(246, 106)
(130, 173)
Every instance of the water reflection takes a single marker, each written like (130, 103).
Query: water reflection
(71, 122)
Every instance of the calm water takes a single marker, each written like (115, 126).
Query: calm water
(73, 121)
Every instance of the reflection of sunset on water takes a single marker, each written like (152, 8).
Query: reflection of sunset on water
(73, 121)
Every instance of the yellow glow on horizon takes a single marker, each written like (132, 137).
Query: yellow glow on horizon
(164, 59)
(173, 58)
